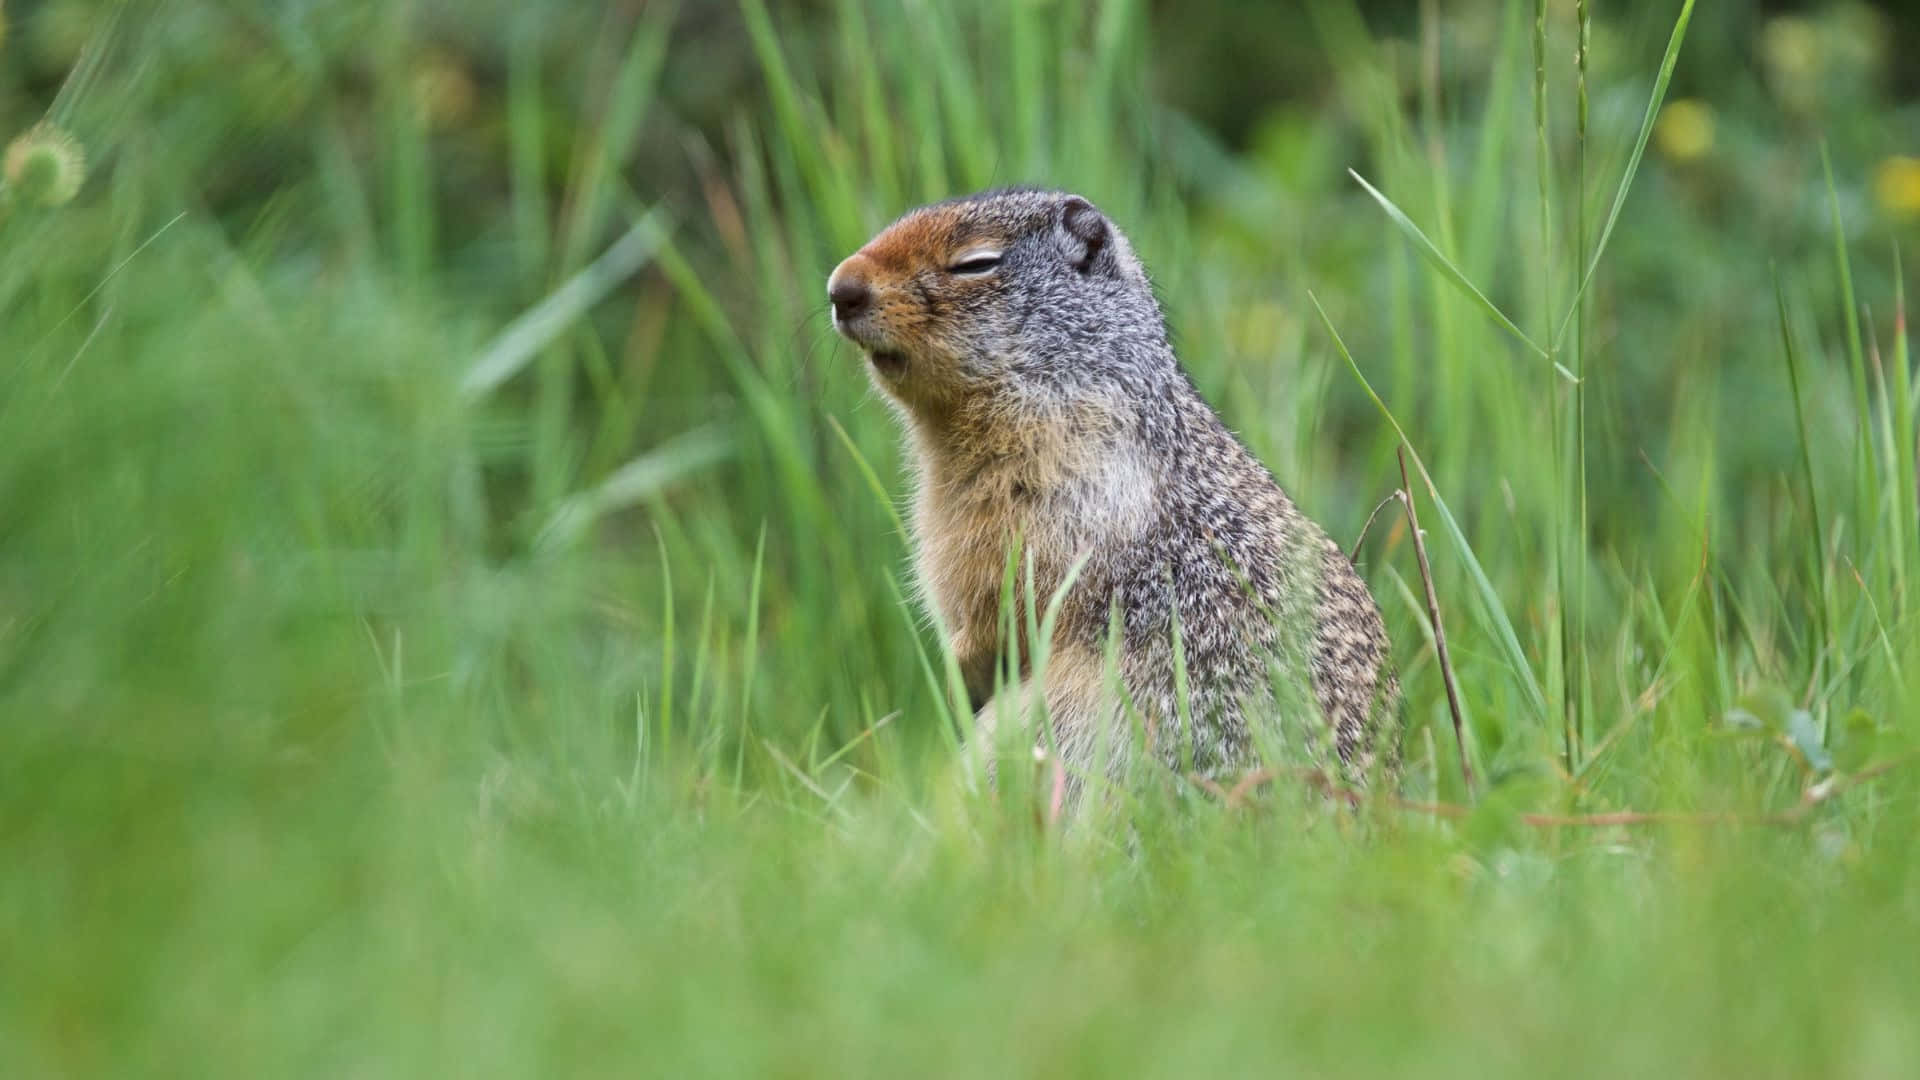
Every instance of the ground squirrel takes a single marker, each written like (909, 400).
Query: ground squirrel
(1020, 341)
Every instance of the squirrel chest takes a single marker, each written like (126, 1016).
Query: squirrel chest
(1057, 500)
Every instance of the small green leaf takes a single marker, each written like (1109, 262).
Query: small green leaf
(1766, 709)
(1854, 740)
(1494, 824)
(1804, 734)
(1497, 821)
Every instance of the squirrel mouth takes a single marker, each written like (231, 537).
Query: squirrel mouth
(888, 362)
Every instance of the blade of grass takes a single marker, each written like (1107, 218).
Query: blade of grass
(1485, 221)
(883, 158)
(1439, 625)
(1819, 550)
(1448, 270)
(663, 716)
(541, 324)
(1542, 155)
(752, 662)
(798, 124)
(1668, 632)
(1490, 604)
(871, 477)
(1561, 657)
(1886, 500)
(526, 137)
(1581, 671)
(1040, 629)
(643, 478)
(1025, 29)
(972, 148)
(1659, 96)
(409, 160)
(629, 97)
(949, 686)
(1856, 356)
(698, 685)
(117, 267)
(1182, 703)
(1906, 440)
(1866, 466)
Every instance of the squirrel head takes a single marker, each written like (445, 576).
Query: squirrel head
(1011, 292)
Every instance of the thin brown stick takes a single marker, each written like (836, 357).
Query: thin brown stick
(1211, 788)
(1439, 630)
(1812, 796)
(1258, 777)
(1368, 527)
(1255, 779)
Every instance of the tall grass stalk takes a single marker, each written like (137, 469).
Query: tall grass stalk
(1582, 672)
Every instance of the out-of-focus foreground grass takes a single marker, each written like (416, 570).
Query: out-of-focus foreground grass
(453, 614)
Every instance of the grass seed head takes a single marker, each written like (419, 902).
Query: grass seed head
(44, 166)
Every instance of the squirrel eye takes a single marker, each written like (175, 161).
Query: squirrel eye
(978, 262)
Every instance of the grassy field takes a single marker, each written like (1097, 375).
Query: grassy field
(453, 606)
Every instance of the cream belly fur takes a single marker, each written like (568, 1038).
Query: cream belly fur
(1060, 493)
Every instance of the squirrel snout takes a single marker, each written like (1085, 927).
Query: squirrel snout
(850, 298)
(849, 292)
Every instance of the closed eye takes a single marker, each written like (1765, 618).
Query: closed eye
(977, 262)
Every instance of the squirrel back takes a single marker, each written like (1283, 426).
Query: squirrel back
(1019, 339)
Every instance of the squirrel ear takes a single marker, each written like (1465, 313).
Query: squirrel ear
(1084, 233)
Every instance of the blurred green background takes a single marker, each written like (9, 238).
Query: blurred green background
(453, 605)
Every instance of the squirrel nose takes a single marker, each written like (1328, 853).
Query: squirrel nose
(850, 297)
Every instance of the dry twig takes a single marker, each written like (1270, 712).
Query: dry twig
(1439, 630)
(1811, 797)
(1395, 494)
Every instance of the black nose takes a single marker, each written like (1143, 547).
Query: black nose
(850, 297)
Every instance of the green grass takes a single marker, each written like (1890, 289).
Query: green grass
(454, 611)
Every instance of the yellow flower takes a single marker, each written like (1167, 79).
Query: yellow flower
(44, 166)
(1684, 131)
(442, 89)
(1896, 186)
(1791, 46)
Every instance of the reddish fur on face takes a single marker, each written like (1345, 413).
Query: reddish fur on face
(904, 270)
(914, 244)
(922, 242)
